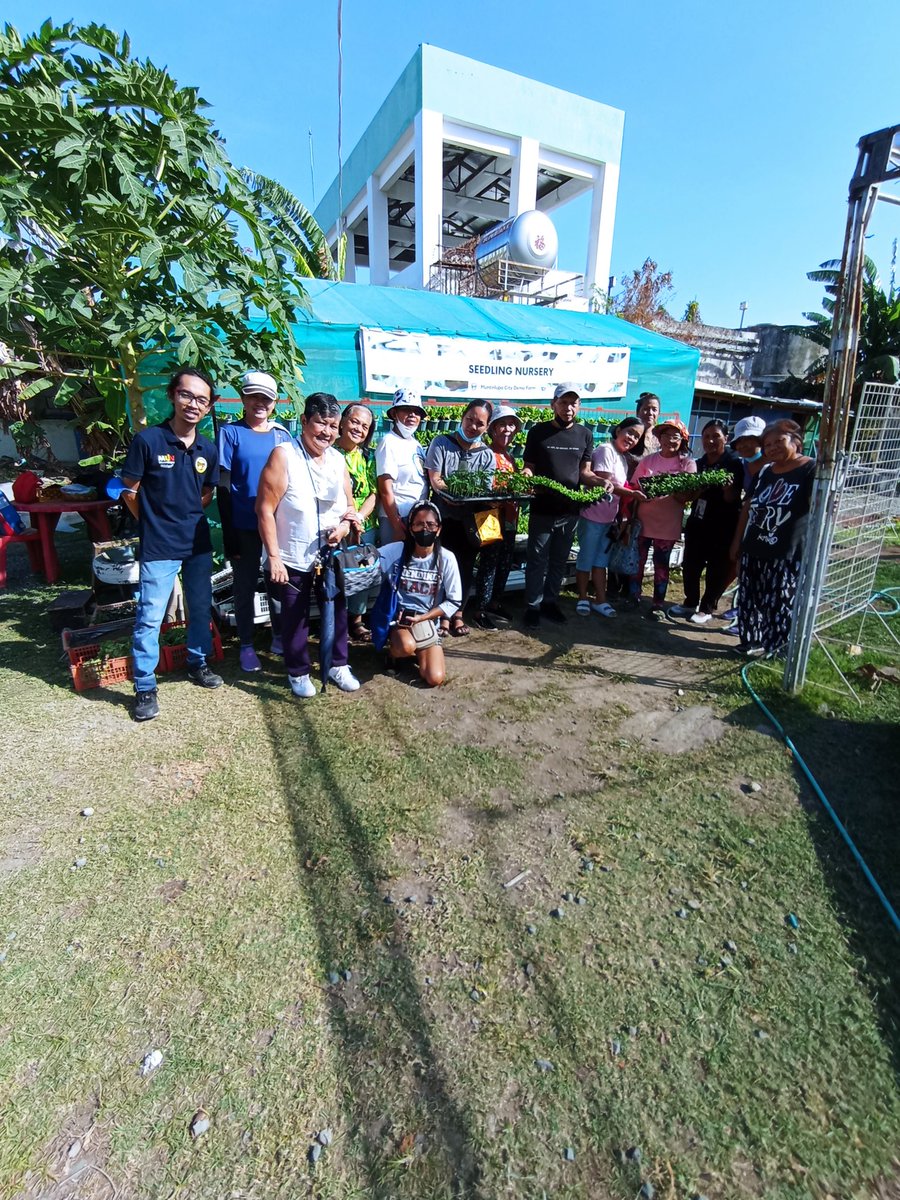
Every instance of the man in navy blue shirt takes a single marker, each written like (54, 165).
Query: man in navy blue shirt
(171, 472)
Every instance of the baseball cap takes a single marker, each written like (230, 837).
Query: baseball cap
(566, 389)
(503, 413)
(258, 383)
(749, 427)
(406, 398)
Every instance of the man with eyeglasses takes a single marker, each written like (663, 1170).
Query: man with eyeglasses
(171, 472)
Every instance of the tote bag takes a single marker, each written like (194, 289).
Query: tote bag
(624, 558)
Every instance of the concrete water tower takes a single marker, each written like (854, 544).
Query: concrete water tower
(458, 147)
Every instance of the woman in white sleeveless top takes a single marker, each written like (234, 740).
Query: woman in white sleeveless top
(305, 501)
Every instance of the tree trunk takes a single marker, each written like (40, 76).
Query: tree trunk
(129, 359)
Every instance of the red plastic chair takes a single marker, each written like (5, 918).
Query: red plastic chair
(31, 539)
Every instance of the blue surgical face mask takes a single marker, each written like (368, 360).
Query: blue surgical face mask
(754, 457)
(463, 436)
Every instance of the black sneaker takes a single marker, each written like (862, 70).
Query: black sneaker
(146, 705)
(206, 678)
(532, 619)
(481, 620)
(551, 610)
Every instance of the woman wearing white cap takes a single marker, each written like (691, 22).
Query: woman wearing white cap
(244, 448)
(400, 467)
(497, 557)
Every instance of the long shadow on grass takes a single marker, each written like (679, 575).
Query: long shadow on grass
(388, 1060)
(855, 764)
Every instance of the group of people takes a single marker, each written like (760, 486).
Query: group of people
(286, 501)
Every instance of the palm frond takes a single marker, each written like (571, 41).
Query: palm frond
(290, 218)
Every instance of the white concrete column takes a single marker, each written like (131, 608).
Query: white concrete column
(600, 232)
(429, 158)
(379, 260)
(523, 181)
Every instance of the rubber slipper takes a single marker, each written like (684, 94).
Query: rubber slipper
(459, 629)
(583, 608)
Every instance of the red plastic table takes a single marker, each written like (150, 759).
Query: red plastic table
(45, 518)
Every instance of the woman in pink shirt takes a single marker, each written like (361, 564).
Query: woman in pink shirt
(661, 519)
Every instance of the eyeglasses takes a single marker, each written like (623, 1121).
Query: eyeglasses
(187, 397)
(429, 525)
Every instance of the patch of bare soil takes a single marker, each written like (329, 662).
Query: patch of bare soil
(72, 1164)
(674, 732)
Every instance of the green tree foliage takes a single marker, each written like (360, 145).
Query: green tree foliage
(879, 329)
(122, 220)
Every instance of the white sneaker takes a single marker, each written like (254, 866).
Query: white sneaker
(302, 686)
(344, 678)
(701, 618)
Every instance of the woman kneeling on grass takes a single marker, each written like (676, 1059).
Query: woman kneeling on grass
(426, 578)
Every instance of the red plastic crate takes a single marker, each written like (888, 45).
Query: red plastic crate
(90, 671)
(174, 658)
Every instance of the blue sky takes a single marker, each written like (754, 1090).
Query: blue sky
(741, 119)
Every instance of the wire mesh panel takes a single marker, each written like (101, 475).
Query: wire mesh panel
(866, 502)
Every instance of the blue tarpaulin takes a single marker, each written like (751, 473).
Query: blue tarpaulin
(329, 337)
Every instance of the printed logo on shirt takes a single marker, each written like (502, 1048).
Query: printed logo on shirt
(200, 465)
(167, 461)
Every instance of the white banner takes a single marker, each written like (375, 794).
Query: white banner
(459, 368)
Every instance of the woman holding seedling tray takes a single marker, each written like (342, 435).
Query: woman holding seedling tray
(661, 518)
(460, 452)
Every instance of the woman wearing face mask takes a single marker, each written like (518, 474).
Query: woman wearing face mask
(661, 519)
(462, 450)
(495, 561)
(354, 436)
(746, 442)
(710, 528)
(426, 577)
(769, 540)
(400, 467)
(305, 502)
(610, 464)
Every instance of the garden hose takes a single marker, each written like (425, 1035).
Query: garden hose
(891, 596)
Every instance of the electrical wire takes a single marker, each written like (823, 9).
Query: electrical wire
(887, 594)
(340, 115)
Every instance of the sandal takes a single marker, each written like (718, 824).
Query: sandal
(583, 608)
(443, 629)
(458, 627)
(357, 630)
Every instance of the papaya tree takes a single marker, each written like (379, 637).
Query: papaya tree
(128, 239)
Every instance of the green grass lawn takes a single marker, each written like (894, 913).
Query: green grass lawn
(237, 864)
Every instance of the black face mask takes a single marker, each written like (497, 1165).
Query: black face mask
(424, 537)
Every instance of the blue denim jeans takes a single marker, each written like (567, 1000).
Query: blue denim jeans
(157, 580)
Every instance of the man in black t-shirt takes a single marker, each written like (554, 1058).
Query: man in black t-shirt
(561, 450)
